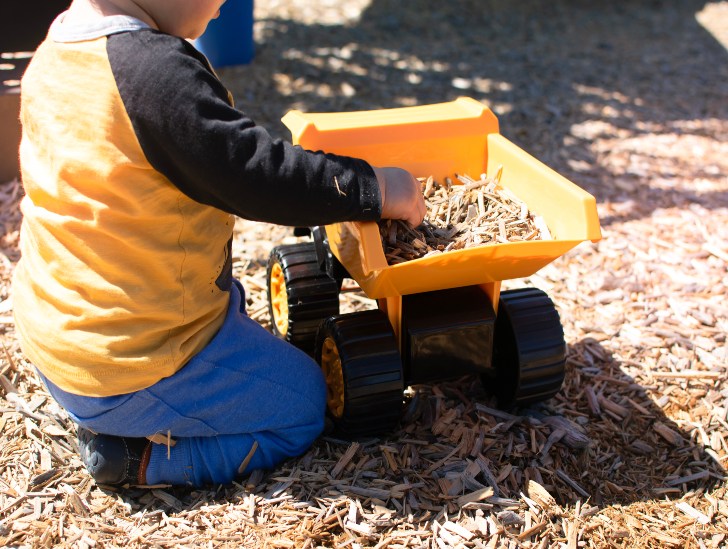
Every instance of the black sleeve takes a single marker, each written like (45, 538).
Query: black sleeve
(215, 154)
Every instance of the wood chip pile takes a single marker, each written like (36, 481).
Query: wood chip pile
(632, 453)
(473, 212)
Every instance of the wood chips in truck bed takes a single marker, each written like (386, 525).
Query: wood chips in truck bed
(473, 212)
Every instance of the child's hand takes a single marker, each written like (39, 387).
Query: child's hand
(401, 195)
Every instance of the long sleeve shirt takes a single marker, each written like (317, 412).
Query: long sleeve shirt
(134, 163)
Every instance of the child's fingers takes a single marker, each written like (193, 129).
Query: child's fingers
(401, 195)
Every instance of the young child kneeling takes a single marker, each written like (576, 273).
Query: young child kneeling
(134, 163)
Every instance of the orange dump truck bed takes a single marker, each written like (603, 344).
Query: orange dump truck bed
(442, 140)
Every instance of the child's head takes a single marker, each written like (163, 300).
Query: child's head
(183, 18)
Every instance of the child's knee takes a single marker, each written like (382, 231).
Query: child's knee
(307, 415)
(318, 389)
(307, 380)
(307, 410)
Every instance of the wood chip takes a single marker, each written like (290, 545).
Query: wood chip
(472, 213)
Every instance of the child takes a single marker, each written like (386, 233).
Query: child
(134, 163)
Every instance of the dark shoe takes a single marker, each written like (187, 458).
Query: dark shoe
(114, 460)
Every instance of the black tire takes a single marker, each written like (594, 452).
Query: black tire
(529, 354)
(310, 295)
(367, 400)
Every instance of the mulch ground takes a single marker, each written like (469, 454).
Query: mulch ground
(627, 99)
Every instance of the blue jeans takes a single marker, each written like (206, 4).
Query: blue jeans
(246, 386)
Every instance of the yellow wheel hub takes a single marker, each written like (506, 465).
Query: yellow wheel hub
(279, 299)
(331, 366)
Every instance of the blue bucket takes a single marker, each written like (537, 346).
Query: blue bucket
(228, 39)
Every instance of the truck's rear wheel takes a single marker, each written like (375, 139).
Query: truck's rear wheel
(359, 356)
(300, 295)
(529, 352)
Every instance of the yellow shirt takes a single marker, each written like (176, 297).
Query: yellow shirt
(116, 287)
(134, 162)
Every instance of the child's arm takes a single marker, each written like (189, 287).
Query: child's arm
(215, 154)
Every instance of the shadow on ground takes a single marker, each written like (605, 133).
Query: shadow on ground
(568, 80)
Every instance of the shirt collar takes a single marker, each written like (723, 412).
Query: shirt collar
(62, 31)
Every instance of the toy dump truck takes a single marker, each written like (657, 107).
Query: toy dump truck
(438, 317)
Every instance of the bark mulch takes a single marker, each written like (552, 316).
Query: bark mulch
(628, 100)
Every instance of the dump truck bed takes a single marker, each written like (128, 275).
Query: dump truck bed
(443, 140)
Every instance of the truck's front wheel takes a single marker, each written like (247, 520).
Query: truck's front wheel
(359, 356)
